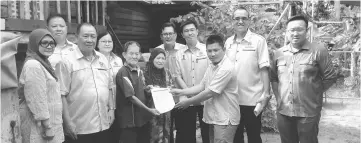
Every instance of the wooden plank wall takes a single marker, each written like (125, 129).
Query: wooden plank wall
(131, 21)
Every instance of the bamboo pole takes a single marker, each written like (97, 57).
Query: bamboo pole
(41, 10)
(27, 10)
(35, 10)
(58, 6)
(279, 20)
(79, 12)
(289, 15)
(337, 9)
(312, 14)
(13, 13)
(353, 65)
(69, 10)
(46, 9)
(96, 13)
(104, 4)
(87, 11)
(22, 9)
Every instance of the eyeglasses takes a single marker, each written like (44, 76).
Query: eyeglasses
(105, 42)
(240, 18)
(46, 44)
(296, 30)
(168, 34)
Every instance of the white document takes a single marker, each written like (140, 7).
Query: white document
(163, 99)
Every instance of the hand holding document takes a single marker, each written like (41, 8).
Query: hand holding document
(163, 99)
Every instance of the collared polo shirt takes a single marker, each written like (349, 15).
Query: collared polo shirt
(302, 75)
(250, 55)
(62, 52)
(171, 58)
(192, 65)
(130, 82)
(222, 109)
(86, 86)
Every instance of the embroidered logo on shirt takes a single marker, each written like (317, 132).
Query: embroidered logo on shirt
(71, 49)
(115, 63)
(101, 64)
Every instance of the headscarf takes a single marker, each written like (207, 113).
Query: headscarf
(153, 75)
(33, 49)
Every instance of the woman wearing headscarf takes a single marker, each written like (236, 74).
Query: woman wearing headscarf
(39, 93)
(106, 47)
(157, 76)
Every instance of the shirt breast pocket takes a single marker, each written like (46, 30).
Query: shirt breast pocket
(308, 67)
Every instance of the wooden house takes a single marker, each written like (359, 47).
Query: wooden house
(125, 20)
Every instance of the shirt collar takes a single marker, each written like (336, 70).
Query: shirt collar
(220, 63)
(177, 46)
(305, 46)
(79, 54)
(131, 68)
(197, 46)
(247, 37)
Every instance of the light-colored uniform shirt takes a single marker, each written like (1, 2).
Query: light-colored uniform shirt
(222, 109)
(250, 55)
(115, 63)
(191, 65)
(61, 52)
(86, 85)
(171, 58)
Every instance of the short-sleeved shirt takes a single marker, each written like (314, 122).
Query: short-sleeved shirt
(222, 109)
(302, 76)
(86, 85)
(250, 55)
(115, 63)
(171, 58)
(192, 65)
(130, 82)
(61, 52)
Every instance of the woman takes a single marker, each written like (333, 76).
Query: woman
(157, 76)
(105, 46)
(39, 92)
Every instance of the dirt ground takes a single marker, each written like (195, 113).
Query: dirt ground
(340, 123)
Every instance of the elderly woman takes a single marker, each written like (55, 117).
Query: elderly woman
(39, 92)
(105, 46)
(157, 76)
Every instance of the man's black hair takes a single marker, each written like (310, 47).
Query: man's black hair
(215, 39)
(298, 17)
(81, 25)
(187, 22)
(168, 24)
(54, 15)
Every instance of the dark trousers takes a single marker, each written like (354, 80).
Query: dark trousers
(114, 132)
(252, 123)
(99, 137)
(185, 124)
(298, 129)
(136, 134)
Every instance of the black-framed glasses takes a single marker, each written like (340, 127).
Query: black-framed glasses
(240, 18)
(168, 34)
(46, 44)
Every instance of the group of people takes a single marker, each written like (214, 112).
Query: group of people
(85, 93)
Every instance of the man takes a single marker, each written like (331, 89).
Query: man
(191, 64)
(57, 26)
(219, 90)
(169, 37)
(250, 53)
(85, 82)
(301, 71)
